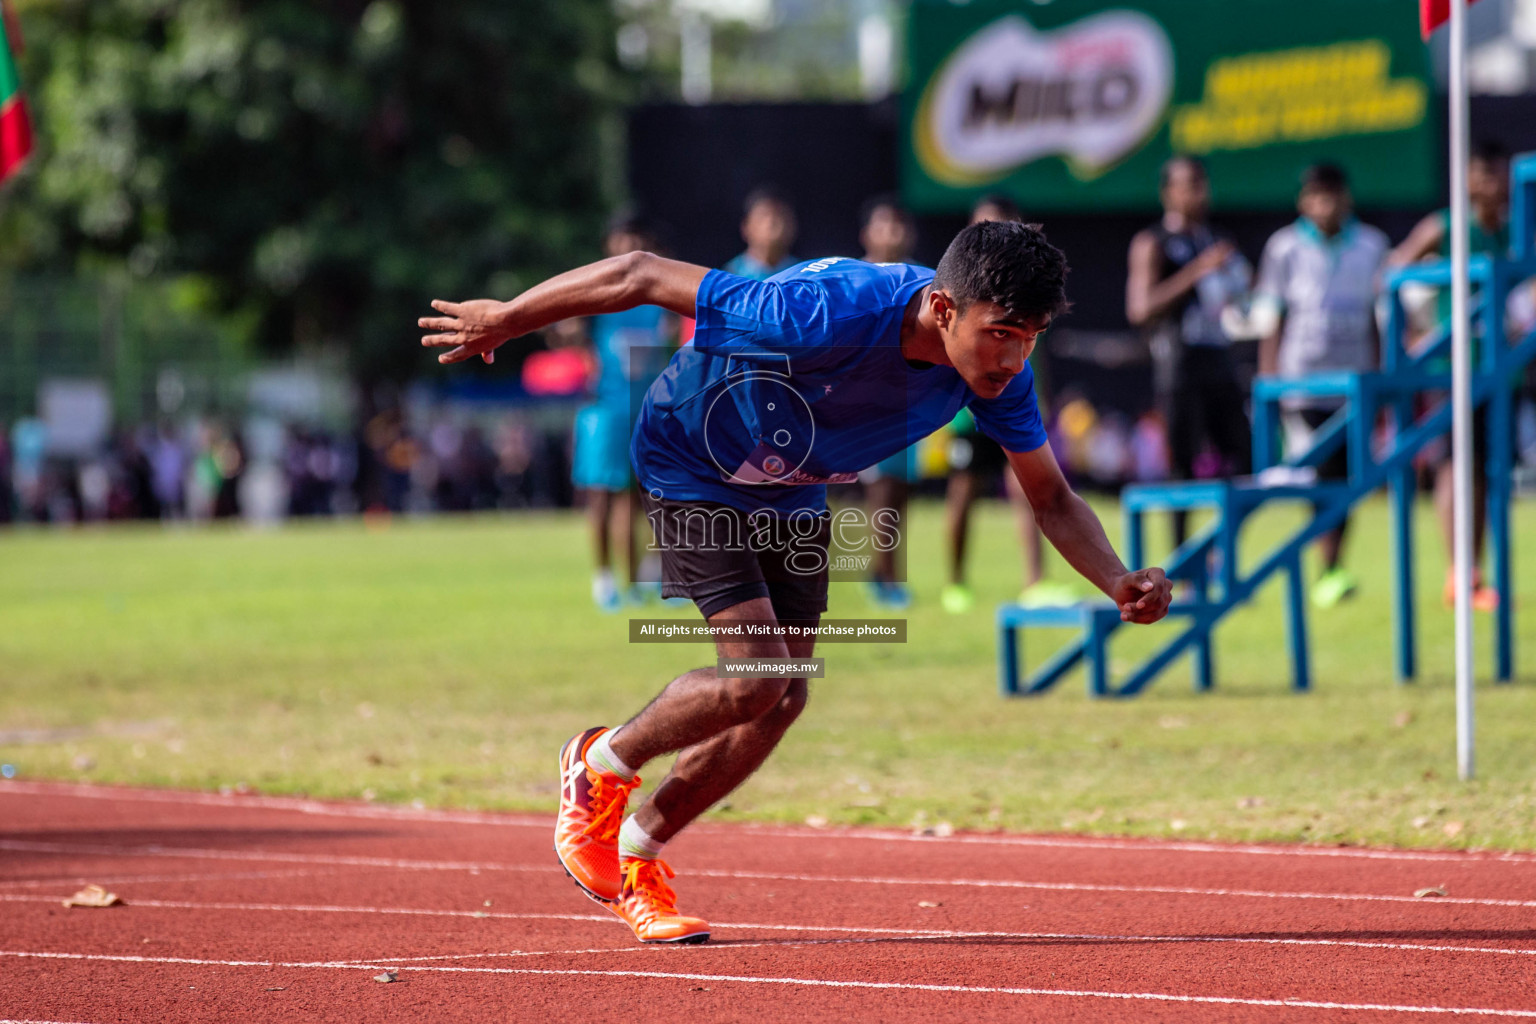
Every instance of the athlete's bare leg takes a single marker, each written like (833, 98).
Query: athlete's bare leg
(1029, 532)
(621, 526)
(1445, 507)
(724, 727)
(599, 503)
(888, 492)
(959, 493)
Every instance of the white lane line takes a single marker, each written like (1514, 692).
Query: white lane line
(750, 979)
(509, 820)
(1468, 857)
(979, 883)
(299, 805)
(872, 934)
(494, 915)
(32, 883)
(1149, 940)
(930, 935)
(730, 947)
(280, 856)
(1167, 890)
(1309, 1004)
(322, 908)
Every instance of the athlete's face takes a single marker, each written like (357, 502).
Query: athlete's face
(1187, 192)
(987, 346)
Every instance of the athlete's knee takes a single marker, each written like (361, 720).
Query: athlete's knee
(796, 695)
(750, 698)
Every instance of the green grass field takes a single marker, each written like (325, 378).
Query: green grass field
(444, 661)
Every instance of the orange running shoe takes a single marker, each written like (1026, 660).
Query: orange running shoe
(591, 811)
(1484, 598)
(649, 906)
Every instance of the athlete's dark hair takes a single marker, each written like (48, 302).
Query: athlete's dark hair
(1002, 202)
(1194, 163)
(1324, 178)
(1008, 263)
(884, 201)
(1489, 151)
(765, 194)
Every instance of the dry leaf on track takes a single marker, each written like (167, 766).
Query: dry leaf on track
(1438, 890)
(386, 977)
(94, 896)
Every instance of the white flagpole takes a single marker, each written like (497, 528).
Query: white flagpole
(1461, 391)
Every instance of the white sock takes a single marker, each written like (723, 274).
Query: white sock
(636, 843)
(600, 756)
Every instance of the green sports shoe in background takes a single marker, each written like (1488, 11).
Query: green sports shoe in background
(957, 599)
(1335, 585)
(1046, 594)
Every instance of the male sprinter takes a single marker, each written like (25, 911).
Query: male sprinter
(866, 358)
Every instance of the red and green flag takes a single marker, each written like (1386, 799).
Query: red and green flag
(15, 128)
(1433, 14)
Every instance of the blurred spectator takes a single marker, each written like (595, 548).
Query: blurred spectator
(768, 227)
(1488, 188)
(514, 458)
(1316, 300)
(133, 490)
(213, 483)
(888, 235)
(269, 470)
(6, 500)
(29, 441)
(1182, 275)
(628, 350)
(996, 206)
(168, 467)
(1149, 448)
(391, 454)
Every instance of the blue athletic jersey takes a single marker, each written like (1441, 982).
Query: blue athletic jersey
(798, 381)
(630, 352)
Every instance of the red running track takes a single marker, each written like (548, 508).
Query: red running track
(253, 908)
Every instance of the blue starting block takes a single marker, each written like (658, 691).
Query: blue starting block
(1206, 568)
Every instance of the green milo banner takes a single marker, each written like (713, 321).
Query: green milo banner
(1075, 104)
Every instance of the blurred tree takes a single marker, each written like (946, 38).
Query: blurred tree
(318, 169)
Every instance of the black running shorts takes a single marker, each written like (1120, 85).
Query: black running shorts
(718, 556)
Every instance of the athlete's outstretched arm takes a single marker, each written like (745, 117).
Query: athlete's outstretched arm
(480, 326)
(1072, 528)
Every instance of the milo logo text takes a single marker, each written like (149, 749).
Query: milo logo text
(1091, 92)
